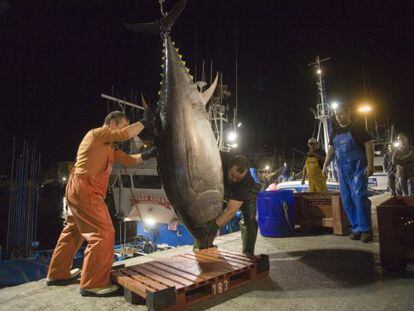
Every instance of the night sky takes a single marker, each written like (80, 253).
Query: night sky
(57, 57)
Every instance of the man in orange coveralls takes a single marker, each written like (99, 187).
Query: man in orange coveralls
(88, 217)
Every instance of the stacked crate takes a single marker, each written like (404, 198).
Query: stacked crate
(396, 232)
(315, 210)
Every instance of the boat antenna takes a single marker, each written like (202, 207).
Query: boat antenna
(237, 74)
(323, 110)
(161, 2)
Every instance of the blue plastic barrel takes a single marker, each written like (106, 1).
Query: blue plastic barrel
(276, 214)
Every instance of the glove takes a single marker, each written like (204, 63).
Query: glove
(149, 115)
(150, 153)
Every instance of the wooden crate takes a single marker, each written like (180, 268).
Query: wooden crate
(182, 280)
(320, 210)
(396, 232)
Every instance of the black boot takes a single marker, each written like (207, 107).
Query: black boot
(355, 236)
(366, 237)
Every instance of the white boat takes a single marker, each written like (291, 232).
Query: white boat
(138, 194)
(296, 186)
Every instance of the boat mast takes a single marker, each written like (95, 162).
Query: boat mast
(323, 110)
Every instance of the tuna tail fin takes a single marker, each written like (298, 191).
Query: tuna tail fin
(162, 25)
(206, 95)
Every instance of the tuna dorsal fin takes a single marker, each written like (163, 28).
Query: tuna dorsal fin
(144, 102)
(162, 25)
(206, 95)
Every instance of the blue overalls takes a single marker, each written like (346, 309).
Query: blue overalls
(353, 183)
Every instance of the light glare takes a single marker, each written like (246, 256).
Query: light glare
(365, 109)
(232, 136)
(150, 222)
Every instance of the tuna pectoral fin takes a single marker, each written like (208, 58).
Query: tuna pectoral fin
(206, 95)
(162, 25)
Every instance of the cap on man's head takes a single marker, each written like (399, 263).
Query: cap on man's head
(312, 140)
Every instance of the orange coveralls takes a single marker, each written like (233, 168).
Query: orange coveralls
(88, 217)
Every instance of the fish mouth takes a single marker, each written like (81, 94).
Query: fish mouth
(206, 240)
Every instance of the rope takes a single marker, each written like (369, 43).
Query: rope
(285, 210)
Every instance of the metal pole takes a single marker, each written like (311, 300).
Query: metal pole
(237, 69)
(120, 101)
(11, 194)
(37, 198)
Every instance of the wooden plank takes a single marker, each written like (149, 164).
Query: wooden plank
(195, 278)
(148, 284)
(168, 275)
(214, 261)
(192, 267)
(234, 255)
(158, 277)
(126, 281)
(144, 279)
(227, 259)
(339, 219)
(233, 258)
(327, 222)
(208, 269)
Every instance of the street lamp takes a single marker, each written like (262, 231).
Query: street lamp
(365, 109)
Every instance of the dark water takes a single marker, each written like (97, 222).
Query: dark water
(50, 222)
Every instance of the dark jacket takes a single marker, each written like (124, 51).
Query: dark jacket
(389, 167)
(404, 160)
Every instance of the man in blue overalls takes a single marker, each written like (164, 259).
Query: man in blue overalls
(351, 145)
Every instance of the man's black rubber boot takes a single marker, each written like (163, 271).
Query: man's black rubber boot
(355, 236)
(366, 237)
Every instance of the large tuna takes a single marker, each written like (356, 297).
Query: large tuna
(188, 156)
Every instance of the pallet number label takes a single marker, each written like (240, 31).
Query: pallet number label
(220, 287)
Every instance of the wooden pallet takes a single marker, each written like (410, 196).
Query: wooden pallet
(182, 280)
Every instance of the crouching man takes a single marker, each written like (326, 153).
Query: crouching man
(240, 193)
